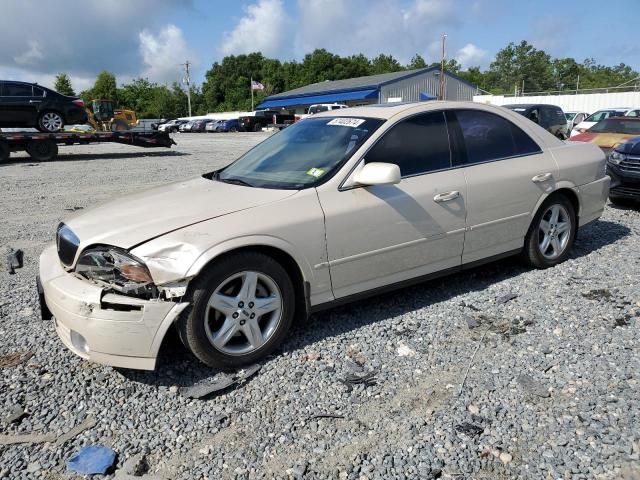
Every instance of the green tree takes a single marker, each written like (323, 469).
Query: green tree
(417, 62)
(384, 64)
(517, 63)
(63, 86)
(104, 88)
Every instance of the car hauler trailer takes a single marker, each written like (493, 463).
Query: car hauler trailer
(44, 146)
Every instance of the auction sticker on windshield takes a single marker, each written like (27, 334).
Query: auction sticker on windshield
(315, 172)
(346, 122)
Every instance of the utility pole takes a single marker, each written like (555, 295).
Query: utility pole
(444, 37)
(187, 80)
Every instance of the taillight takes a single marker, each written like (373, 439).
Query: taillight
(78, 103)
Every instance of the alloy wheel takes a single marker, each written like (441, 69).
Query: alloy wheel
(52, 122)
(554, 231)
(243, 313)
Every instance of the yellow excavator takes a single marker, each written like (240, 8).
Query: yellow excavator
(104, 118)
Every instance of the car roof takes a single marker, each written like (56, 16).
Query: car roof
(529, 105)
(386, 111)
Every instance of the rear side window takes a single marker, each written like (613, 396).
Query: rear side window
(38, 92)
(417, 145)
(487, 136)
(16, 90)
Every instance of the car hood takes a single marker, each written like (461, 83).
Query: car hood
(603, 140)
(137, 218)
(631, 147)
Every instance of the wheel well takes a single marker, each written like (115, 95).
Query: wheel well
(289, 264)
(573, 198)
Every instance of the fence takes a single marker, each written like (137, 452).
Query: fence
(583, 102)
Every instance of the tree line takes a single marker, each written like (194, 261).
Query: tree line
(226, 84)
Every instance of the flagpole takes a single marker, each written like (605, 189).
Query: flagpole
(251, 87)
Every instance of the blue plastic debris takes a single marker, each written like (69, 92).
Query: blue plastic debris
(91, 460)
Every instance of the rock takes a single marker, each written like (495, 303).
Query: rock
(16, 413)
(473, 409)
(505, 458)
(136, 466)
(173, 389)
(472, 322)
(34, 467)
(405, 351)
(533, 387)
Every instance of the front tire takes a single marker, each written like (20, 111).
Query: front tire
(242, 308)
(50, 122)
(552, 233)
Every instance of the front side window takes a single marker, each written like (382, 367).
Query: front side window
(417, 145)
(16, 90)
(487, 136)
(300, 156)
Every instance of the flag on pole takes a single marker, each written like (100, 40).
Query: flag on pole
(256, 85)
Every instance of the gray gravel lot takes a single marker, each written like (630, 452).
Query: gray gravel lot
(548, 360)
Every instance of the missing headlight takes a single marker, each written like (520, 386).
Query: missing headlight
(117, 269)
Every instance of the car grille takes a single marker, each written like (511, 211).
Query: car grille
(630, 165)
(626, 191)
(67, 244)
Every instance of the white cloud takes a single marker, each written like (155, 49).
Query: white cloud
(265, 28)
(472, 56)
(31, 56)
(78, 37)
(386, 26)
(163, 53)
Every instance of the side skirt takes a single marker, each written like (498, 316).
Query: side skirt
(409, 282)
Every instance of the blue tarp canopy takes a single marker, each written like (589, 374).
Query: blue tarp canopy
(324, 98)
(426, 96)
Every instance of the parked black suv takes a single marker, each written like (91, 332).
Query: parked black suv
(549, 117)
(623, 166)
(30, 105)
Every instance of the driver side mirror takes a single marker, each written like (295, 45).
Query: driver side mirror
(378, 173)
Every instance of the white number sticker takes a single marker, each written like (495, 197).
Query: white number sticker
(346, 122)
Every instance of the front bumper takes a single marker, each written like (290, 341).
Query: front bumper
(623, 184)
(106, 328)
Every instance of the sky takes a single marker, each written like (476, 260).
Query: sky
(152, 38)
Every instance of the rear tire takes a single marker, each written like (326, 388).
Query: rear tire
(5, 152)
(42, 150)
(50, 122)
(257, 127)
(551, 234)
(242, 309)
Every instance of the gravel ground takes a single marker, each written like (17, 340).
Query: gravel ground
(499, 372)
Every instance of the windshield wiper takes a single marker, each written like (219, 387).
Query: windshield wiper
(234, 181)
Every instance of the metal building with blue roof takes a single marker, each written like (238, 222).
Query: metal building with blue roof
(405, 86)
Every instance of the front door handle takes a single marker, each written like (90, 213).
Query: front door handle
(445, 197)
(543, 177)
(35, 101)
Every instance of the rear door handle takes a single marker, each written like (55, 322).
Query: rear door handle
(543, 177)
(35, 101)
(445, 197)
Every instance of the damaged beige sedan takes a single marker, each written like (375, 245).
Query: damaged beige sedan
(338, 206)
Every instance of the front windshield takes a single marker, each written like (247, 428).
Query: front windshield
(603, 114)
(617, 125)
(300, 155)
